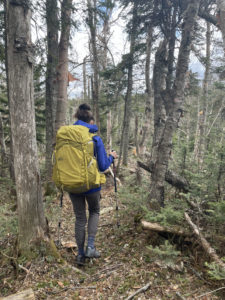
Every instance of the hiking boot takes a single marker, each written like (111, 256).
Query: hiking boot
(80, 260)
(92, 253)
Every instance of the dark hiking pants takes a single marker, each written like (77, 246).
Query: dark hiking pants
(79, 207)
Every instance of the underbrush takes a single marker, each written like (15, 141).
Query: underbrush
(211, 222)
(136, 200)
(8, 220)
(8, 215)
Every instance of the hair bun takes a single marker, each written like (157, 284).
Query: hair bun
(84, 106)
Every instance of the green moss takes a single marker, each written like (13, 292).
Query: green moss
(53, 252)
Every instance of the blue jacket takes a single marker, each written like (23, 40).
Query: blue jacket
(103, 160)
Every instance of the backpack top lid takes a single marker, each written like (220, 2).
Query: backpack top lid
(78, 134)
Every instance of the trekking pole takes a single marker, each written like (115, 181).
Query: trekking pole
(60, 218)
(115, 186)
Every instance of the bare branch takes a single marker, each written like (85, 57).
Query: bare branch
(208, 17)
(141, 290)
(171, 177)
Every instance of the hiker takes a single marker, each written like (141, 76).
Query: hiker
(92, 196)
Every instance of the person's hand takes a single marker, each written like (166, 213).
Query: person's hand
(113, 153)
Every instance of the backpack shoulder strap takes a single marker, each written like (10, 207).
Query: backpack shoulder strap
(95, 144)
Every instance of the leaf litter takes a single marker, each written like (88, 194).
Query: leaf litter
(124, 268)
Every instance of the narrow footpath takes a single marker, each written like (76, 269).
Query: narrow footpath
(126, 267)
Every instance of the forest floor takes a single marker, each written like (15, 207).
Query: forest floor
(125, 266)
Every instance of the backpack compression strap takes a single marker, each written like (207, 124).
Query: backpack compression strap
(86, 167)
(85, 160)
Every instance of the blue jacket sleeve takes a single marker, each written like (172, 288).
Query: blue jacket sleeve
(103, 160)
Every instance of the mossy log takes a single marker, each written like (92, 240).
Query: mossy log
(24, 295)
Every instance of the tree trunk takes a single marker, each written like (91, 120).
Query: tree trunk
(220, 178)
(92, 23)
(89, 89)
(202, 111)
(105, 40)
(136, 141)
(173, 102)
(51, 80)
(11, 160)
(109, 131)
(62, 70)
(85, 97)
(163, 79)
(148, 93)
(3, 149)
(171, 46)
(159, 82)
(20, 57)
(128, 97)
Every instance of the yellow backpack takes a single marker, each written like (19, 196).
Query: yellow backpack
(75, 169)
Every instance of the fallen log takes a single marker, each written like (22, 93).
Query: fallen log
(159, 228)
(24, 295)
(205, 245)
(171, 177)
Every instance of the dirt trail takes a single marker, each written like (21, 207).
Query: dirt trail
(125, 265)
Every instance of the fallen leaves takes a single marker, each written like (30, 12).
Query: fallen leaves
(123, 269)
